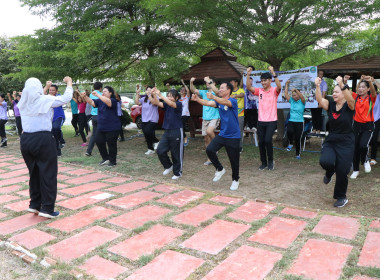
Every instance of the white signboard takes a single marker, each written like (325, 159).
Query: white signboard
(301, 79)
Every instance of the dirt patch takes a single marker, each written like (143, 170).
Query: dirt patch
(294, 182)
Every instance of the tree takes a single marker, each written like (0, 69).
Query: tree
(105, 39)
(7, 66)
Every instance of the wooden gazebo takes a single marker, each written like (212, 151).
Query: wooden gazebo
(218, 64)
(353, 65)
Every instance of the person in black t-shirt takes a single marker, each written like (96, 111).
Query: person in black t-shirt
(338, 149)
(172, 140)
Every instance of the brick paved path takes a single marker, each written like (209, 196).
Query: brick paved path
(114, 226)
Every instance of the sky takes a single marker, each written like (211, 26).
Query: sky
(16, 20)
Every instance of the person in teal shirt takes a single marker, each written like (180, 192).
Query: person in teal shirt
(210, 116)
(296, 122)
(74, 112)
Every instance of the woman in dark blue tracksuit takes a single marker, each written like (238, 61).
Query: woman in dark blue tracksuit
(172, 140)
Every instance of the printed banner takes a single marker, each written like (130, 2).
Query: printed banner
(301, 79)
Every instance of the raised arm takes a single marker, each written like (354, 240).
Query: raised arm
(286, 92)
(47, 86)
(154, 99)
(67, 96)
(137, 96)
(371, 87)
(203, 102)
(87, 99)
(211, 85)
(303, 100)
(221, 101)
(165, 99)
(248, 81)
(105, 99)
(192, 88)
(276, 80)
(318, 95)
(186, 88)
(347, 94)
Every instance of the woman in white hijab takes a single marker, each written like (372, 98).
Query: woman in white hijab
(38, 145)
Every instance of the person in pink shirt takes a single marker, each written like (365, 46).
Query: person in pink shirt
(267, 123)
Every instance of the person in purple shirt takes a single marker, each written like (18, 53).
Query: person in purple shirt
(3, 120)
(149, 117)
(16, 99)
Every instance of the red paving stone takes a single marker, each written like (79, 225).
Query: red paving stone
(279, 232)
(61, 186)
(85, 188)
(5, 164)
(102, 268)
(338, 226)
(370, 254)
(130, 187)
(21, 160)
(170, 265)
(164, 188)
(10, 189)
(139, 217)
(133, 200)
(198, 214)
(62, 177)
(321, 260)
(215, 237)
(82, 219)
(146, 242)
(15, 180)
(181, 198)
(252, 211)
(226, 199)
(18, 206)
(245, 263)
(19, 223)
(84, 200)
(299, 213)
(7, 198)
(87, 178)
(64, 168)
(60, 197)
(117, 180)
(32, 238)
(375, 224)
(364, 278)
(82, 243)
(2, 215)
(78, 171)
(23, 192)
(17, 166)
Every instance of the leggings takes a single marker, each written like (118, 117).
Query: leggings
(74, 122)
(336, 157)
(2, 128)
(185, 119)
(266, 131)
(82, 122)
(363, 135)
(295, 130)
(19, 125)
(149, 130)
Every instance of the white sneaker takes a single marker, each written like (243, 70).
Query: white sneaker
(155, 145)
(367, 167)
(167, 171)
(218, 175)
(149, 152)
(176, 177)
(234, 185)
(354, 175)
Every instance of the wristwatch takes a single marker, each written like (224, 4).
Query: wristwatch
(345, 87)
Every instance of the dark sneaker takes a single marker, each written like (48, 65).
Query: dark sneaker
(263, 166)
(104, 162)
(121, 139)
(271, 166)
(340, 202)
(59, 153)
(88, 154)
(4, 145)
(3, 140)
(51, 215)
(326, 179)
(111, 164)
